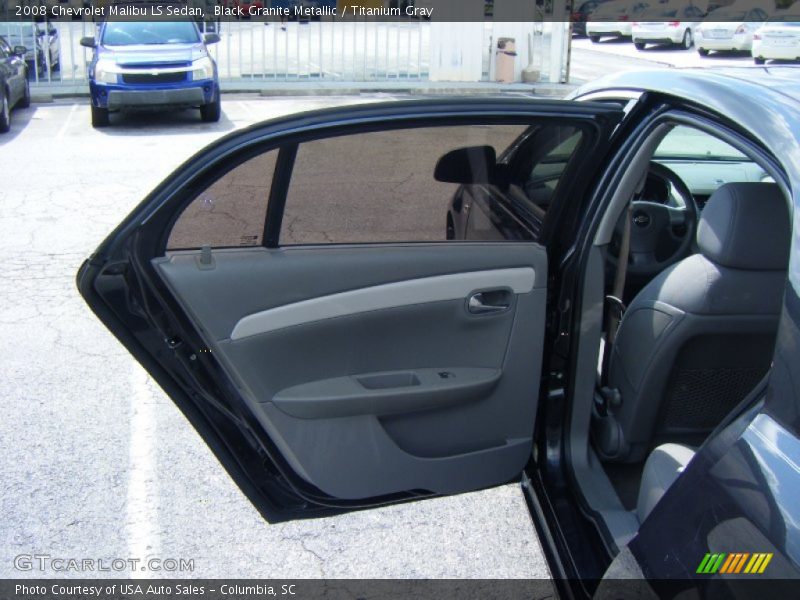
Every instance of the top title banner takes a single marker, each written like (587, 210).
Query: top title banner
(656, 11)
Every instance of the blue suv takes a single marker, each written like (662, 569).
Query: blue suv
(152, 64)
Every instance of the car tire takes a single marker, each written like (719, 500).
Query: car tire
(210, 113)
(99, 116)
(25, 101)
(594, 38)
(5, 112)
(639, 45)
(687, 42)
(759, 61)
(702, 52)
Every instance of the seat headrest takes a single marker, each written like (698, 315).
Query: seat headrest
(746, 226)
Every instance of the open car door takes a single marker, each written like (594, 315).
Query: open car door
(292, 287)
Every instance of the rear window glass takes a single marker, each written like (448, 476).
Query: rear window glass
(231, 212)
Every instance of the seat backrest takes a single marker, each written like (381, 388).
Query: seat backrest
(701, 334)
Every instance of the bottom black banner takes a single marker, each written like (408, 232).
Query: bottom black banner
(392, 589)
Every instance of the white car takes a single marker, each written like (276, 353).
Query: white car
(778, 38)
(613, 19)
(729, 29)
(662, 29)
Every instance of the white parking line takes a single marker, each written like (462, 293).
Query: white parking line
(142, 505)
(67, 122)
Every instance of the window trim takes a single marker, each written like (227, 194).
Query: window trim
(279, 192)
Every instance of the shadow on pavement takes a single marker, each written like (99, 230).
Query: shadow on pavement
(178, 122)
(20, 117)
(611, 41)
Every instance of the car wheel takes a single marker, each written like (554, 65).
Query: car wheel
(639, 45)
(5, 113)
(758, 61)
(210, 113)
(25, 101)
(99, 116)
(702, 52)
(594, 38)
(687, 40)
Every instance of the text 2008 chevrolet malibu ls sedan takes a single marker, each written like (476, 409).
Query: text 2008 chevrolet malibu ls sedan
(152, 64)
(597, 297)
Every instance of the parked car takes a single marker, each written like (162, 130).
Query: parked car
(614, 19)
(580, 14)
(152, 64)
(729, 29)
(777, 39)
(670, 24)
(14, 87)
(450, 315)
(42, 43)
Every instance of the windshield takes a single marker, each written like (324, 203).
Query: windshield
(691, 144)
(154, 32)
(657, 14)
(612, 8)
(787, 20)
(728, 15)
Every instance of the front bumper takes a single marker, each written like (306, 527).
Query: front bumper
(117, 96)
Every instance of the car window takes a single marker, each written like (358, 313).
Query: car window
(378, 186)
(231, 212)
(540, 185)
(128, 33)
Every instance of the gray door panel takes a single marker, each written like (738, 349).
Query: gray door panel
(364, 363)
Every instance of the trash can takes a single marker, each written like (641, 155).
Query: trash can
(504, 60)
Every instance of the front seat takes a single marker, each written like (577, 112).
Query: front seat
(701, 334)
(664, 465)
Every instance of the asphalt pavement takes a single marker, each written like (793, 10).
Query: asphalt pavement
(97, 462)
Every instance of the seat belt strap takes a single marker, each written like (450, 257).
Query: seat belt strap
(622, 272)
(614, 307)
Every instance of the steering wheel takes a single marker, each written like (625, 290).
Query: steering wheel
(660, 234)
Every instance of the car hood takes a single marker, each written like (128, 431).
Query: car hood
(152, 54)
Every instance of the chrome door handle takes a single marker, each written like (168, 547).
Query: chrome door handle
(483, 303)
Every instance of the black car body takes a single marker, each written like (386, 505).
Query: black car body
(14, 87)
(372, 351)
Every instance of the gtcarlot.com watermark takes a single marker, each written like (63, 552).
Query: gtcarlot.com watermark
(60, 564)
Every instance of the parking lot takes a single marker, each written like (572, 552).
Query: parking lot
(97, 461)
(590, 61)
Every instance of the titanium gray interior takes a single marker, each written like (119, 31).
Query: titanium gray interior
(415, 385)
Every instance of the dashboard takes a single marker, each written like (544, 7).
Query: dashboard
(704, 177)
